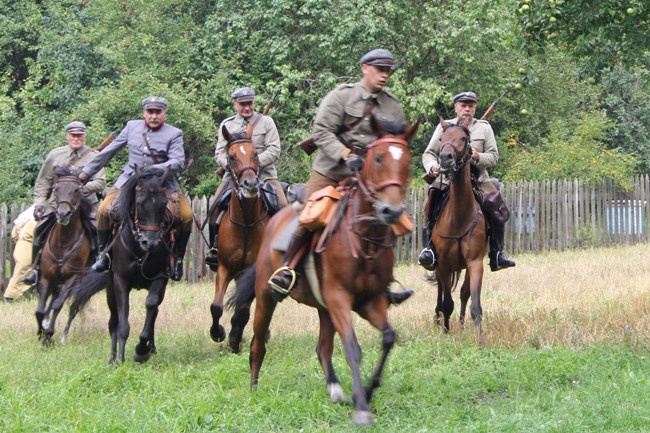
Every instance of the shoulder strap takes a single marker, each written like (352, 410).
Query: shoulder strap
(345, 128)
(147, 147)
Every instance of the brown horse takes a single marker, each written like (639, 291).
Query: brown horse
(352, 272)
(66, 252)
(240, 232)
(460, 234)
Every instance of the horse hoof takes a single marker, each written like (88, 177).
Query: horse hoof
(362, 417)
(235, 346)
(218, 333)
(336, 392)
(141, 359)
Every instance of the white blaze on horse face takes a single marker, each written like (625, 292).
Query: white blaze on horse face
(396, 152)
(242, 150)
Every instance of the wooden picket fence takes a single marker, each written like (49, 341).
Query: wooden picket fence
(545, 215)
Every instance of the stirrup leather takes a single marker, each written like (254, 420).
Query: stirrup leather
(280, 289)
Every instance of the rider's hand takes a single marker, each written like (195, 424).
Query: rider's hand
(38, 212)
(83, 177)
(354, 162)
(434, 170)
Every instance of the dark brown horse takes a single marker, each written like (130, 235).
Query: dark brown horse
(66, 252)
(142, 258)
(240, 232)
(460, 234)
(352, 272)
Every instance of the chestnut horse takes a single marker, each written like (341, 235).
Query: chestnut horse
(460, 234)
(240, 232)
(142, 258)
(66, 252)
(353, 270)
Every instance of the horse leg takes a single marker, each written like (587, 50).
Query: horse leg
(121, 295)
(237, 324)
(324, 351)
(375, 312)
(475, 270)
(464, 297)
(445, 305)
(217, 332)
(113, 319)
(40, 312)
(264, 308)
(340, 312)
(146, 346)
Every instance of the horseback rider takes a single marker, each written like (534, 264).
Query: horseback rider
(486, 155)
(267, 142)
(150, 141)
(74, 155)
(335, 161)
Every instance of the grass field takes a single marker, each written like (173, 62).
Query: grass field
(566, 348)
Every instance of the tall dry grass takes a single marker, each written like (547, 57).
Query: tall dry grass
(568, 299)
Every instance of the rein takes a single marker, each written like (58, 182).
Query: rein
(464, 159)
(76, 201)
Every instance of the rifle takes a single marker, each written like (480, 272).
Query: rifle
(221, 171)
(108, 140)
(488, 113)
(308, 143)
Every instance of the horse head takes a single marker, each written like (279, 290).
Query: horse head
(67, 194)
(149, 204)
(387, 170)
(243, 162)
(455, 150)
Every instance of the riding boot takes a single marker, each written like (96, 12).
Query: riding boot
(212, 258)
(397, 298)
(103, 262)
(284, 278)
(32, 277)
(427, 259)
(181, 246)
(498, 259)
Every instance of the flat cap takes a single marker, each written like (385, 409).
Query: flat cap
(243, 94)
(465, 97)
(154, 103)
(75, 128)
(378, 57)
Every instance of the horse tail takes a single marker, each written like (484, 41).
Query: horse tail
(245, 290)
(84, 288)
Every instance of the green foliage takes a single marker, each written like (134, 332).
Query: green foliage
(604, 33)
(574, 149)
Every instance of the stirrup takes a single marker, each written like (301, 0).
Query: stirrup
(102, 264)
(278, 290)
(212, 259)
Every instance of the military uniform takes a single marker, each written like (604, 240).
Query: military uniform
(348, 104)
(162, 147)
(483, 141)
(75, 159)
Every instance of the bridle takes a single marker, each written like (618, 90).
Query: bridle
(236, 174)
(76, 198)
(370, 188)
(136, 219)
(461, 159)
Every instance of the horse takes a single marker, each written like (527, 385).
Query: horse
(66, 251)
(353, 270)
(142, 258)
(240, 232)
(459, 236)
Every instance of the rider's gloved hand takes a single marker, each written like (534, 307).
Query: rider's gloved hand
(354, 162)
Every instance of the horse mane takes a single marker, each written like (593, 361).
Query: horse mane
(146, 177)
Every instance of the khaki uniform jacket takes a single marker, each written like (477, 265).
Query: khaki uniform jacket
(64, 156)
(265, 138)
(342, 106)
(166, 143)
(483, 141)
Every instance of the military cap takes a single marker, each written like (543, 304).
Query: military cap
(243, 94)
(154, 103)
(75, 128)
(465, 97)
(378, 57)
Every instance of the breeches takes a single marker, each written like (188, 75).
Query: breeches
(178, 205)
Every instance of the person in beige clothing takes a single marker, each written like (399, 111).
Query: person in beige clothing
(22, 233)
(485, 154)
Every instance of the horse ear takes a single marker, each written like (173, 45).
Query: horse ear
(226, 133)
(249, 130)
(410, 131)
(443, 124)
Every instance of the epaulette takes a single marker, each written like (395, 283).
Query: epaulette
(345, 86)
(482, 121)
(390, 95)
(228, 119)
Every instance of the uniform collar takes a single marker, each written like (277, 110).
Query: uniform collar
(78, 151)
(367, 96)
(239, 119)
